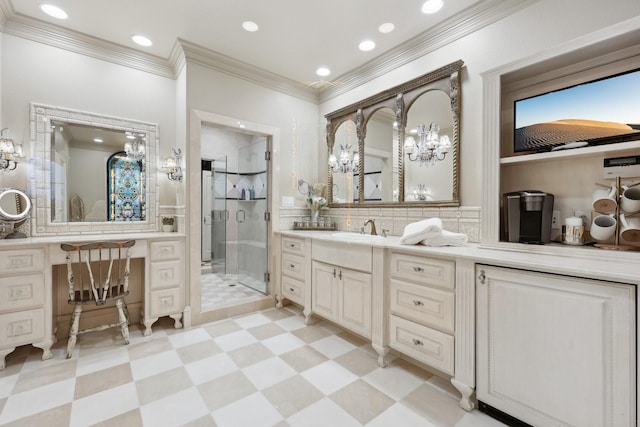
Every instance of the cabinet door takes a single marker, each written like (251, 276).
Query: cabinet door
(555, 350)
(354, 301)
(324, 294)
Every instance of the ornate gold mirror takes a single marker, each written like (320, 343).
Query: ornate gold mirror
(408, 140)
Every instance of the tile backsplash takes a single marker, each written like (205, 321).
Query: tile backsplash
(463, 219)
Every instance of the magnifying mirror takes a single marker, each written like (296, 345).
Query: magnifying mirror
(15, 206)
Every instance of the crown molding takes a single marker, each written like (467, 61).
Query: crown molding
(468, 21)
(216, 61)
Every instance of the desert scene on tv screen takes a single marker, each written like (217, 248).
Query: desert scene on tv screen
(606, 111)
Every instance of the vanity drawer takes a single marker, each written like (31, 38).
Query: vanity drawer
(293, 245)
(18, 292)
(423, 304)
(424, 344)
(164, 250)
(166, 274)
(22, 261)
(293, 266)
(22, 327)
(166, 301)
(293, 289)
(429, 271)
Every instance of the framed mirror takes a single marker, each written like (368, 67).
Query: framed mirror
(408, 141)
(15, 206)
(82, 179)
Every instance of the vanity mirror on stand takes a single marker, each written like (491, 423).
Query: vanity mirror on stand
(399, 147)
(92, 172)
(14, 211)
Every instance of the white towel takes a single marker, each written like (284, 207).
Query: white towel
(418, 231)
(446, 238)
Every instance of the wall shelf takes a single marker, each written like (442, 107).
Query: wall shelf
(617, 150)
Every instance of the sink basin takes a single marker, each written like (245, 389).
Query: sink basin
(356, 237)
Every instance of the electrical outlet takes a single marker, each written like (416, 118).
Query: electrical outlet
(555, 219)
(586, 218)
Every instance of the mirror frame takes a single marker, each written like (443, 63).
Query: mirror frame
(400, 99)
(40, 119)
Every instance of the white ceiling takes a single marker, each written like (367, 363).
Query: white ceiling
(295, 37)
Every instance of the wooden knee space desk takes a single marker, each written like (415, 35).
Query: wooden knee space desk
(30, 277)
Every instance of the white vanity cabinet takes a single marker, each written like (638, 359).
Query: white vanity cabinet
(422, 309)
(166, 291)
(341, 284)
(556, 350)
(25, 302)
(294, 267)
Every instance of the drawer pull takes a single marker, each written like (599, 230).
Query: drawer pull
(417, 303)
(417, 342)
(292, 290)
(292, 245)
(418, 269)
(291, 266)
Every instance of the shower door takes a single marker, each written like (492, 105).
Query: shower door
(219, 214)
(252, 216)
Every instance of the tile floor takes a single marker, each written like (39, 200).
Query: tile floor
(262, 369)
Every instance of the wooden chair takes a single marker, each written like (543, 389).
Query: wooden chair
(97, 273)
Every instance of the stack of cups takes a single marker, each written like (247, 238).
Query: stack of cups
(573, 231)
(603, 227)
(630, 225)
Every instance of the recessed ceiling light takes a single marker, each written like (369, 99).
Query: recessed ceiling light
(387, 27)
(141, 40)
(367, 45)
(432, 6)
(54, 11)
(250, 26)
(323, 71)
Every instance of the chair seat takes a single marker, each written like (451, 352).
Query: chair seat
(86, 296)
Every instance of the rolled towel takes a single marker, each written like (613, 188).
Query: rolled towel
(420, 230)
(446, 238)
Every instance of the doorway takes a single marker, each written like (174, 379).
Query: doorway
(235, 194)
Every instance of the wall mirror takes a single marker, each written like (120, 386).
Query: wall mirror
(408, 141)
(15, 206)
(82, 179)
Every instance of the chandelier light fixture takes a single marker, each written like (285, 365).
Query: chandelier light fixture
(430, 148)
(134, 147)
(347, 160)
(171, 166)
(10, 153)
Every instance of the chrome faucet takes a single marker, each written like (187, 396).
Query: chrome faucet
(373, 226)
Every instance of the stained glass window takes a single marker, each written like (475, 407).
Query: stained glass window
(126, 188)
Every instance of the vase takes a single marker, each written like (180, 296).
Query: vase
(315, 214)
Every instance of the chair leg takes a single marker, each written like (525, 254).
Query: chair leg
(123, 321)
(73, 329)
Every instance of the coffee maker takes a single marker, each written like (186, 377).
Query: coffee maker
(527, 216)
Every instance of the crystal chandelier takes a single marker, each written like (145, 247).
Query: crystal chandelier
(10, 153)
(134, 147)
(347, 160)
(430, 148)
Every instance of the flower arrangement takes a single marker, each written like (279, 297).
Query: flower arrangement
(315, 198)
(168, 220)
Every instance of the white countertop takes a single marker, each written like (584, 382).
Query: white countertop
(587, 262)
(79, 238)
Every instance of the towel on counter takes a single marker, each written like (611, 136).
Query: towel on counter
(421, 230)
(446, 238)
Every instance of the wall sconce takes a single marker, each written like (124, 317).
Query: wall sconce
(134, 147)
(171, 166)
(10, 153)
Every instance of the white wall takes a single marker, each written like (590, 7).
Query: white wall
(543, 26)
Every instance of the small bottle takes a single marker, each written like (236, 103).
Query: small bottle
(252, 193)
(242, 195)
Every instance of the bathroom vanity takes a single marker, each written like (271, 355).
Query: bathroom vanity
(545, 333)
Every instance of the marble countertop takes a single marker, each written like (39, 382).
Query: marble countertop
(587, 262)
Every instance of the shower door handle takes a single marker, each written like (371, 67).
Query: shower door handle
(224, 215)
(238, 215)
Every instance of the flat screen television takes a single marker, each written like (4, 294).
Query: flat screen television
(603, 111)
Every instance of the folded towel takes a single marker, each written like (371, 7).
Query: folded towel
(446, 238)
(418, 231)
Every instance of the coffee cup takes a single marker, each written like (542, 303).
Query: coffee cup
(630, 228)
(604, 200)
(630, 200)
(603, 227)
(573, 231)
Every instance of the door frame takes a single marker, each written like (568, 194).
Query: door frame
(193, 313)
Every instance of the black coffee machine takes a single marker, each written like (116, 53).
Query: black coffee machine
(527, 216)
